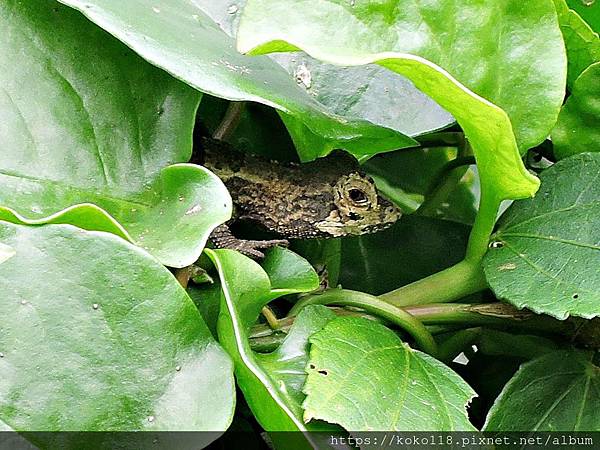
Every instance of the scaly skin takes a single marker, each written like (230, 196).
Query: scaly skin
(329, 197)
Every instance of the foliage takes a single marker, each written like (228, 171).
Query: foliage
(447, 105)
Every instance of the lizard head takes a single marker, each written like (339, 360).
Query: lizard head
(357, 208)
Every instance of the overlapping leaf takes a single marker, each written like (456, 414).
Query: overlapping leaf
(546, 252)
(559, 391)
(180, 37)
(418, 41)
(578, 126)
(352, 359)
(89, 132)
(367, 92)
(98, 336)
(269, 383)
(583, 44)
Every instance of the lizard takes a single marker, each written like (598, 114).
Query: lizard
(326, 198)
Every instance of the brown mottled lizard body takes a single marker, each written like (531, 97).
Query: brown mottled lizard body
(329, 197)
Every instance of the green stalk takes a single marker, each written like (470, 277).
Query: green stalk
(372, 304)
(493, 315)
(458, 281)
(451, 347)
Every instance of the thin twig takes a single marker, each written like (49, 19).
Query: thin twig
(230, 121)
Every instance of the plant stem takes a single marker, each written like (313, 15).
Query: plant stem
(460, 280)
(230, 121)
(451, 347)
(495, 315)
(270, 317)
(483, 227)
(376, 306)
(444, 183)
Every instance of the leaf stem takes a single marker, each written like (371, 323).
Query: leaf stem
(455, 344)
(483, 227)
(230, 121)
(458, 281)
(444, 183)
(372, 304)
(496, 315)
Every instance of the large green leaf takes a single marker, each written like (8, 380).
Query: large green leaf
(578, 126)
(351, 358)
(98, 336)
(559, 391)
(352, 92)
(245, 288)
(452, 51)
(583, 44)
(546, 252)
(88, 131)
(180, 37)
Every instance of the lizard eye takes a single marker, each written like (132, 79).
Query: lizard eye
(358, 196)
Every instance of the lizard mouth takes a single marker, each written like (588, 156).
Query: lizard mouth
(357, 224)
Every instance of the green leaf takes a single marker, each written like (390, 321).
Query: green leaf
(288, 273)
(245, 289)
(589, 10)
(525, 75)
(98, 336)
(578, 126)
(583, 44)
(415, 392)
(351, 92)
(546, 252)
(88, 132)
(178, 36)
(425, 246)
(556, 392)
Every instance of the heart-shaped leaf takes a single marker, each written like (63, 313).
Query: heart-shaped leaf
(98, 336)
(415, 392)
(578, 126)
(546, 252)
(88, 131)
(178, 36)
(559, 391)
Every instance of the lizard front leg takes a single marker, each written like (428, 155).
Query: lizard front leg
(222, 237)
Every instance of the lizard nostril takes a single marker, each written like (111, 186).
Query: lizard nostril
(354, 216)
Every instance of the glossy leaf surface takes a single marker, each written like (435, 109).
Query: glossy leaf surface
(414, 392)
(546, 252)
(89, 133)
(98, 336)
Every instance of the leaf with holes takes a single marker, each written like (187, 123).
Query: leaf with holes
(89, 132)
(546, 252)
(353, 358)
(180, 37)
(578, 126)
(98, 336)
(559, 391)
